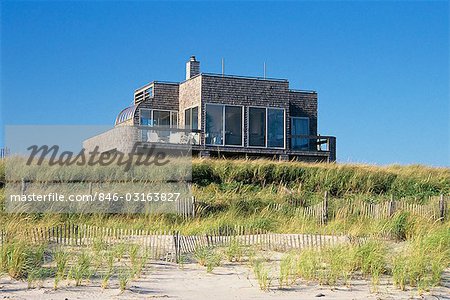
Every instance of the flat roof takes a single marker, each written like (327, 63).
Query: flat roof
(244, 77)
(157, 82)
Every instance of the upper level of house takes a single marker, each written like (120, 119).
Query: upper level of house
(229, 113)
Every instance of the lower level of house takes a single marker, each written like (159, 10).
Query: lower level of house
(176, 141)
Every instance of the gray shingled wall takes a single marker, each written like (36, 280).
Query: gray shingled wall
(190, 96)
(165, 96)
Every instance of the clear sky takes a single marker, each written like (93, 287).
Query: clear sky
(381, 69)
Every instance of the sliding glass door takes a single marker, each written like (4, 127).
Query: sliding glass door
(300, 126)
(266, 127)
(223, 125)
(275, 128)
(161, 118)
(214, 124)
(233, 125)
(257, 127)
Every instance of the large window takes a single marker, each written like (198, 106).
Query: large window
(275, 128)
(266, 127)
(160, 118)
(145, 117)
(233, 125)
(214, 124)
(300, 126)
(223, 125)
(191, 118)
(257, 126)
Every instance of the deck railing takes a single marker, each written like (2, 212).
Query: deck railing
(168, 135)
(312, 142)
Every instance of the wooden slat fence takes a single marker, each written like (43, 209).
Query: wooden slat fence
(186, 207)
(315, 212)
(435, 208)
(169, 245)
(266, 241)
(157, 244)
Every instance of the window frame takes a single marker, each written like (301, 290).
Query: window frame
(223, 124)
(309, 131)
(266, 131)
(151, 116)
(198, 114)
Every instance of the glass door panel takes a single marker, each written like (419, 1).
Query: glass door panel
(233, 125)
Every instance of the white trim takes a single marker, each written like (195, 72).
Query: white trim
(266, 131)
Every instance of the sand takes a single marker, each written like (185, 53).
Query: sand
(230, 281)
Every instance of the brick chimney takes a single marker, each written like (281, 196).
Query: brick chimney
(192, 67)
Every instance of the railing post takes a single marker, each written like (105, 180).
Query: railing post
(331, 149)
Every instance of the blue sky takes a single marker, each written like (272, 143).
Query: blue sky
(381, 69)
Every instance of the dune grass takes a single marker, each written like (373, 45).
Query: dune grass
(240, 193)
(418, 263)
(237, 192)
(337, 179)
(424, 260)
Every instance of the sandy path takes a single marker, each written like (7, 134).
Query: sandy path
(167, 281)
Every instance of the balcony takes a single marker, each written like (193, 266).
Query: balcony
(318, 144)
(296, 144)
(168, 135)
(123, 138)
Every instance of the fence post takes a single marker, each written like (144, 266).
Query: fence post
(193, 207)
(391, 206)
(442, 208)
(23, 187)
(325, 208)
(176, 240)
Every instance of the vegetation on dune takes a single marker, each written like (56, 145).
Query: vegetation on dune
(24, 260)
(337, 179)
(420, 263)
(242, 193)
(19, 259)
(237, 192)
(424, 260)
